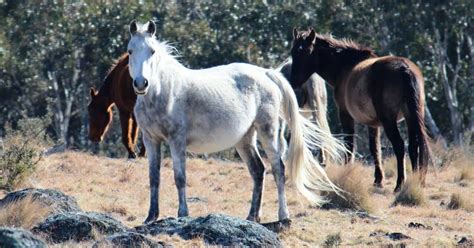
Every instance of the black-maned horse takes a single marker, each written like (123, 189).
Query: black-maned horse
(371, 90)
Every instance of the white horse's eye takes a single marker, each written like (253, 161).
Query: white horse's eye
(152, 52)
(130, 52)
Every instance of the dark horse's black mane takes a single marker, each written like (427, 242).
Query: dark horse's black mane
(329, 42)
(350, 51)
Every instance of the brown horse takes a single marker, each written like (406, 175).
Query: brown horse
(375, 91)
(117, 89)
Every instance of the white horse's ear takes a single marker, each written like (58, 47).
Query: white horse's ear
(151, 28)
(133, 27)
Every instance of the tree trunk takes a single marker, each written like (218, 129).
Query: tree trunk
(65, 93)
(470, 47)
(449, 85)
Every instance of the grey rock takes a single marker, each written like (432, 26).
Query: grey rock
(11, 237)
(417, 225)
(390, 235)
(397, 236)
(49, 197)
(215, 229)
(129, 240)
(465, 242)
(78, 226)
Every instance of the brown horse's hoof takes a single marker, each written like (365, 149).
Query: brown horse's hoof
(132, 155)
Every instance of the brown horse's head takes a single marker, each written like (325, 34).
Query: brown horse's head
(302, 51)
(100, 116)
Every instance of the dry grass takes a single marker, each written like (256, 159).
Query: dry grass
(356, 193)
(411, 193)
(24, 213)
(466, 173)
(459, 201)
(120, 187)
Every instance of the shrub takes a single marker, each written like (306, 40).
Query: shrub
(411, 193)
(20, 150)
(356, 193)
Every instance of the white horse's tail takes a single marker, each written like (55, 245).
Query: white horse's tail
(305, 171)
(318, 94)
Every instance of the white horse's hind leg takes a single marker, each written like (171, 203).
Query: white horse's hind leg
(178, 154)
(269, 138)
(247, 149)
(154, 161)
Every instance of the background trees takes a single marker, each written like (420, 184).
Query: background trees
(52, 53)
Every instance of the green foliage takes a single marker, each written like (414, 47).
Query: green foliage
(21, 150)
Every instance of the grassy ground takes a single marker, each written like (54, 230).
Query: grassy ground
(120, 187)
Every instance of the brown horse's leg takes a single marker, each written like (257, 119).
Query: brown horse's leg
(391, 130)
(348, 128)
(135, 132)
(375, 150)
(126, 133)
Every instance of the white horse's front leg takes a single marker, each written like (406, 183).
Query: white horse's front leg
(154, 161)
(178, 153)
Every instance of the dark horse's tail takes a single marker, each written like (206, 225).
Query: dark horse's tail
(414, 115)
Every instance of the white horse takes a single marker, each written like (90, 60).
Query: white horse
(213, 109)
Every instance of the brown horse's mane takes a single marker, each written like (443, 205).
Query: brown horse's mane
(344, 43)
(121, 62)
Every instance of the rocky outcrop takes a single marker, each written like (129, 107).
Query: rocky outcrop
(68, 222)
(16, 238)
(215, 229)
(78, 226)
(58, 201)
(129, 240)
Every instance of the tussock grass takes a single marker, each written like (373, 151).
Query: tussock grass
(466, 173)
(411, 193)
(356, 192)
(24, 213)
(333, 240)
(458, 201)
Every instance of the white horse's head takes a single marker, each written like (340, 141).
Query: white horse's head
(142, 56)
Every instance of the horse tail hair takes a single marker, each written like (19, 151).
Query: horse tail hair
(305, 171)
(320, 97)
(413, 94)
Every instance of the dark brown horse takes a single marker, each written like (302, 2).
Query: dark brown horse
(117, 89)
(371, 90)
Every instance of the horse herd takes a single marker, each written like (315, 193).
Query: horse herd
(213, 109)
